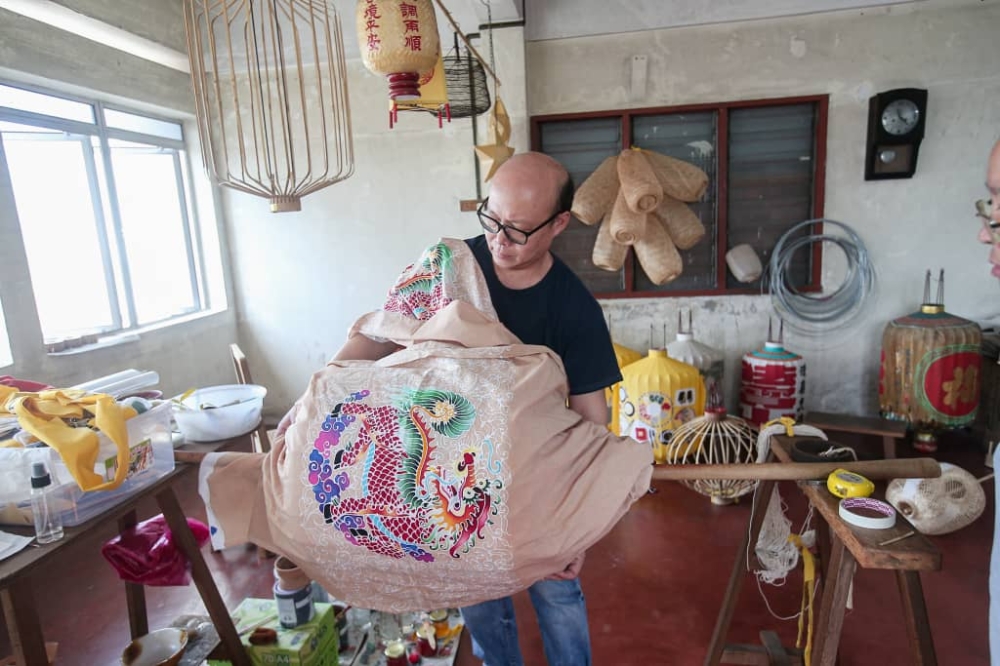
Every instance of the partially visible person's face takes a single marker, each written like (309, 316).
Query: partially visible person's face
(523, 198)
(991, 235)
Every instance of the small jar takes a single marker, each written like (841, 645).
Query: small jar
(426, 641)
(441, 626)
(395, 654)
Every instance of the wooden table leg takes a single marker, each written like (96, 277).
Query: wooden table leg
(135, 593)
(888, 447)
(717, 645)
(216, 607)
(830, 620)
(918, 628)
(22, 624)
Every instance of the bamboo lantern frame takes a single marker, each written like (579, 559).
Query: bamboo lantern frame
(270, 88)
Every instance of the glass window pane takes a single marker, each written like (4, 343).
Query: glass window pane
(581, 146)
(690, 137)
(153, 226)
(51, 179)
(49, 105)
(771, 184)
(143, 124)
(6, 357)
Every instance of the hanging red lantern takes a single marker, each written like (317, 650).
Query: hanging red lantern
(399, 40)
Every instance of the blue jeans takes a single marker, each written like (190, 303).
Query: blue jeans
(995, 572)
(562, 618)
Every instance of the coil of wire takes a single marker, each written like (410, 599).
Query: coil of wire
(815, 312)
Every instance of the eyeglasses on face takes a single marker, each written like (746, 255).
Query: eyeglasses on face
(514, 235)
(984, 214)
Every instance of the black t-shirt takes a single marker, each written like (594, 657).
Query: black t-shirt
(559, 313)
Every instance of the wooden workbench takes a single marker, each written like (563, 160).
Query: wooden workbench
(842, 549)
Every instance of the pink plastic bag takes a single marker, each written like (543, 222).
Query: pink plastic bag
(147, 554)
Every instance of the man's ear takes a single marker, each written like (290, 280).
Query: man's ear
(561, 222)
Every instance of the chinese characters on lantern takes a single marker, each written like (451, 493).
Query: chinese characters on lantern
(371, 27)
(411, 23)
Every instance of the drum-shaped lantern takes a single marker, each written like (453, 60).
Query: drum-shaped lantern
(399, 40)
(930, 370)
(658, 394)
(773, 384)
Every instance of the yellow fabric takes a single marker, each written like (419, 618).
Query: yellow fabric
(786, 421)
(808, 592)
(42, 414)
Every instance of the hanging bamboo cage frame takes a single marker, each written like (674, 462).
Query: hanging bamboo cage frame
(270, 88)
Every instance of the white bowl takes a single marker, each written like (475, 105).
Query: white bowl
(220, 412)
(162, 647)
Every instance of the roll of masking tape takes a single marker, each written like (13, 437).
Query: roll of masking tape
(844, 484)
(867, 512)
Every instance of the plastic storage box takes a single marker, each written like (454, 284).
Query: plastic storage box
(152, 457)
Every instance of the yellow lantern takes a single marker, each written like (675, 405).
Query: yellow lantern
(624, 356)
(657, 395)
(399, 40)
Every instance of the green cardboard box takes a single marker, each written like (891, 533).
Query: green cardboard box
(314, 643)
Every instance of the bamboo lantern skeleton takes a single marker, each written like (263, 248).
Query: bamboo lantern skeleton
(657, 395)
(930, 369)
(715, 439)
(399, 40)
(637, 198)
(265, 127)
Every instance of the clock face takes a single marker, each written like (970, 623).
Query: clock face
(900, 117)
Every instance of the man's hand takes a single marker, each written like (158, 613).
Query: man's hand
(571, 571)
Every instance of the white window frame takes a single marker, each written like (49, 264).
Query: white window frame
(112, 247)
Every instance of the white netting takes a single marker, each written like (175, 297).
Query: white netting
(776, 554)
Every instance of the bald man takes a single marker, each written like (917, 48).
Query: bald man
(542, 302)
(990, 234)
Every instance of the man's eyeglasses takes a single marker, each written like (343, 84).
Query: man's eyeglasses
(985, 215)
(513, 234)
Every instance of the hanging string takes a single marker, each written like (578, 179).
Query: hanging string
(465, 40)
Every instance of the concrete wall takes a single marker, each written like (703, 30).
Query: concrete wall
(950, 48)
(187, 354)
(303, 278)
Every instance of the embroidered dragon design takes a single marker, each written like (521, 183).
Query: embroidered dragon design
(410, 500)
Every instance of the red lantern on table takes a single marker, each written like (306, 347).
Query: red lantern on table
(773, 382)
(399, 40)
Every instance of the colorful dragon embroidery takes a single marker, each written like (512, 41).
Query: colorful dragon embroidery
(409, 502)
(419, 292)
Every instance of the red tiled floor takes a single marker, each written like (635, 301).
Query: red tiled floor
(653, 586)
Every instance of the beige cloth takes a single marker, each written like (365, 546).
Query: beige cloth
(446, 474)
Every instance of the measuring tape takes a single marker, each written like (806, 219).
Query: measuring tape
(844, 484)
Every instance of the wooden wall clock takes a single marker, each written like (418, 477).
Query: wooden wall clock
(896, 120)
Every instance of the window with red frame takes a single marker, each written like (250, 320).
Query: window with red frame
(765, 163)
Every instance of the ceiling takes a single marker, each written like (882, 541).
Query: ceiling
(544, 19)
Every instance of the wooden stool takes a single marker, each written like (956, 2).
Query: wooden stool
(842, 549)
(888, 430)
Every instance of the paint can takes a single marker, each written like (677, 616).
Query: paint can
(295, 607)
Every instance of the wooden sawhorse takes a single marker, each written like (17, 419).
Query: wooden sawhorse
(842, 548)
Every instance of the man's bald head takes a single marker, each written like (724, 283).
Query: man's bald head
(541, 173)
